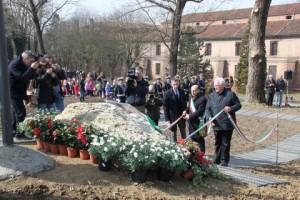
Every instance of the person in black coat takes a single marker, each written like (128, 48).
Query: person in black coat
(167, 85)
(46, 82)
(195, 113)
(21, 71)
(186, 87)
(136, 90)
(119, 91)
(270, 85)
(158, 88)
(174, 103)
(218, 100)
(153, 104)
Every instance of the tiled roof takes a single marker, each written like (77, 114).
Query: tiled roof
(285, 28)
(277, 10)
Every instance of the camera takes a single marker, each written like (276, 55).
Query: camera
(131, 73)
(131, 77)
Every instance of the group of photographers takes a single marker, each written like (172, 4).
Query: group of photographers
(42, 74)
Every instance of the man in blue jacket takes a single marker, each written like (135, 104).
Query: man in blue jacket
(21, 70)
(222, 98)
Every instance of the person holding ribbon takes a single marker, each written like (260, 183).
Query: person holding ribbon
(195, 115)
(222, 99)
(174, 104)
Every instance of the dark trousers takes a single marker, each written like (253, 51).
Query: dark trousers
(270, 98)
(201, 143)
(222, 146)
(182, 127)
(19, 113)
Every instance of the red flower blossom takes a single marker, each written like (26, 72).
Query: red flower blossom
(199, 156)
(50, 124)
(181, 141)
(37, 132)
(80, 136)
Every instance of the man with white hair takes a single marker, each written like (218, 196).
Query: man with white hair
(21, 70)
(222, 99)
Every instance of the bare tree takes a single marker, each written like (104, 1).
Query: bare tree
(41, 12)
(257, 53)
(174, 9)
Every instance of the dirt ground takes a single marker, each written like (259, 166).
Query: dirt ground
(77, 179)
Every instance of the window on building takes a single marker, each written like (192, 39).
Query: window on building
(273, 48)
(158, 49)
(288, 17)
(157, 68)
(208, 49)
(237, 48)
(197, 24)
(273, 71)
(224, 22)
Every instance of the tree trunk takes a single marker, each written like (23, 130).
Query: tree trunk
(257, 53)
(37, 25)
(176, 22)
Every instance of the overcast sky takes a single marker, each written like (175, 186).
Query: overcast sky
(105, 7)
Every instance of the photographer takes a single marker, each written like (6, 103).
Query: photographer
(136, 89)
(153, 105)
(45, 83)
(58, 76)
(21, 71)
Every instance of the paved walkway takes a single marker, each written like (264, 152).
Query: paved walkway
(270, 115)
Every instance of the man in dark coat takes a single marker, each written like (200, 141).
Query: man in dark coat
(195, 113)
(158, 87)
(280, 88)
(21, 71)
(174, 105)
(136, 90)
(153, 104)
(270, 85)
(222, 99)
(119, 91)
(167, 85)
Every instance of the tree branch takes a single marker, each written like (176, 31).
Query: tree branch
(161, 5)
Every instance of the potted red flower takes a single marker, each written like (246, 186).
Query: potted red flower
(84, 139)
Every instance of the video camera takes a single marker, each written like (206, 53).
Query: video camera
(131, 77)
(131, 73)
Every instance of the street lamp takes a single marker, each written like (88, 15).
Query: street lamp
(5, 106)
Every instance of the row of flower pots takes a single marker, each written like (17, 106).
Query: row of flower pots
(64, 150)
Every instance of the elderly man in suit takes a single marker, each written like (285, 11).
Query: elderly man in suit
(174, 103)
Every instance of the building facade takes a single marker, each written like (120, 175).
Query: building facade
(222, 31)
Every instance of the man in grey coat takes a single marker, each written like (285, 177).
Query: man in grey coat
(222, 98)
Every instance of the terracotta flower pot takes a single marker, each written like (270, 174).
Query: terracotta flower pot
(62, 149)
(84, 154)
(54, 148)
(39, 144)
(93, 158)
(72, 153)
(46, 146)
(188, 174)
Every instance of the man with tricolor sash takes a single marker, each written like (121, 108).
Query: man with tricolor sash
(195, 115)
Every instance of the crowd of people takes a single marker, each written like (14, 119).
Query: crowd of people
(183, 98)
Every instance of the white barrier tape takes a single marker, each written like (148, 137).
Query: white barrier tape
(171, 125)
(204, 125)
(243, 136)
